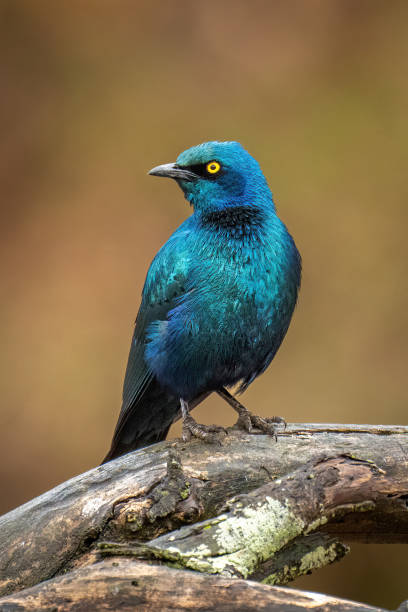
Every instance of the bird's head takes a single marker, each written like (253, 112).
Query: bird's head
(214, 175)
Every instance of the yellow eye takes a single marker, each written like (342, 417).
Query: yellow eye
(213, 167)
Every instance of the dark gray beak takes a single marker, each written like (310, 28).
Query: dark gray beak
(173, 171)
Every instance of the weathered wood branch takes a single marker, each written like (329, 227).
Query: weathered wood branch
(249, 507)
(128, 586)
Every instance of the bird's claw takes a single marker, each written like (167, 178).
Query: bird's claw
(208, 433)
(248, 421)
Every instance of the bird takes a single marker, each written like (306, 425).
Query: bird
(216, 304)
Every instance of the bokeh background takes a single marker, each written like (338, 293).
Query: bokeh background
(93, 93)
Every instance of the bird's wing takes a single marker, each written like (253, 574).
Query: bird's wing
(164, 283)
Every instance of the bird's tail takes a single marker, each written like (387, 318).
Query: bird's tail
(147, 420)
(144, 422)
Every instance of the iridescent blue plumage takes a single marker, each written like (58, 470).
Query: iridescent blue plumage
(218, 296)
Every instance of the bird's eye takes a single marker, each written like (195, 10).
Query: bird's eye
(213, 167)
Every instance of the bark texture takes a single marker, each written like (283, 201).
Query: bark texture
(128, 586)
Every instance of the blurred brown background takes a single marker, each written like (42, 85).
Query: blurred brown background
(96, 92)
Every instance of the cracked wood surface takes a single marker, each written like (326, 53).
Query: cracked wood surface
(127, 586)
(149, 493)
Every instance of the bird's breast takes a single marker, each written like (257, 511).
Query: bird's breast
(239, 299)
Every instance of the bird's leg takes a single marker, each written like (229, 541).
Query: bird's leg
(192, 428)
(247, 420)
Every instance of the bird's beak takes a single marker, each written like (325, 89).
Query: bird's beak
(173, 171)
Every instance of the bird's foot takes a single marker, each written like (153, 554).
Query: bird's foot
(208, 433)
(248, 421)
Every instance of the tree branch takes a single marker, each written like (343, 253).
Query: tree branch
(128, 586)
(248, 507)
(255, 526)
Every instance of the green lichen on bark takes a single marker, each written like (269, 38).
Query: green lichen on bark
(235, 543)
(185, 491)
(299, 564)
